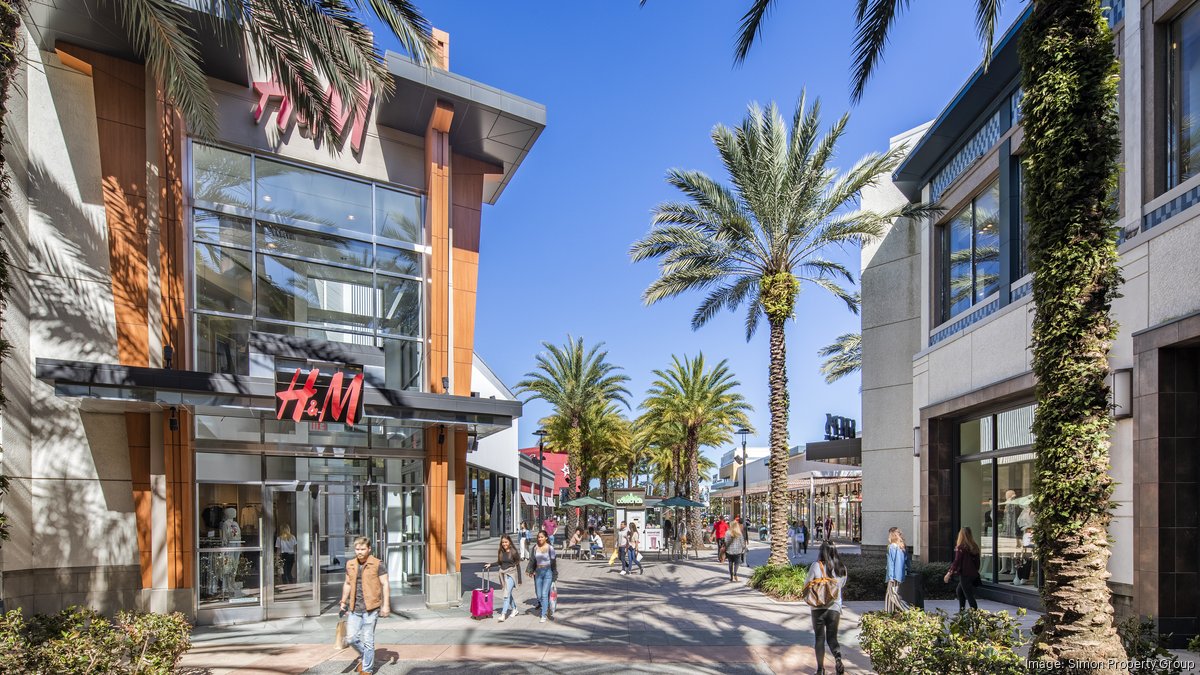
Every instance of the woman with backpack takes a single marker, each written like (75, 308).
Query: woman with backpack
(966, 566)
(823, 592)
(735, 549)
(897, 568)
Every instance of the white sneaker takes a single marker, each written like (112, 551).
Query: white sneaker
(503, 617)
(542, 620)
(624, 572)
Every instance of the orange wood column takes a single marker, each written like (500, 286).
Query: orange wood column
(466, 215)
(437, 350)
(181, 516)
(137, 429)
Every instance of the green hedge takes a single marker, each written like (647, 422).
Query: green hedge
(974, 642)
(81, 640)
(784, 582)
(867, 573)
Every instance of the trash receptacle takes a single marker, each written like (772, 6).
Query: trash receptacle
(912, 592)
(762, 533)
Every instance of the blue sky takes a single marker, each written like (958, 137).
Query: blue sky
(631, 92)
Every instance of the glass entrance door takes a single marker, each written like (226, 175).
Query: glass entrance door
(290, 561)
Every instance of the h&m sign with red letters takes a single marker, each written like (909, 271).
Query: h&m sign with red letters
(320, 398)
(347, 114)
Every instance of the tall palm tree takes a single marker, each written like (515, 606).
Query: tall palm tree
(842, 357)
(1072, 141)
(701, 404)
(576, 382)
(756, 243)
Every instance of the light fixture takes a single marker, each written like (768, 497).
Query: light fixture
(168, 354)
(1121, 385)
(267, 198)
(445, 385)
(350, 217)
(441, 434)
(173, 423)
(916, 441)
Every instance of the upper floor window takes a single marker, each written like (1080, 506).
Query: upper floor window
(970, 254)
(1021, 268)
(1183, 109)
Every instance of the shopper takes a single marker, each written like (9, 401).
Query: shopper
(508, 559)
(623, 547)
(720, 529)
(828, 527)
(550, 525)
(543, 568)
(523, 539)
(825, 619)
(735, 549)
(668, 532)
(365, 596)
(632, 549)
(897, 568)
(597, 544)
(802, 538)
(966, 566)
(285, 543)
(576, 543)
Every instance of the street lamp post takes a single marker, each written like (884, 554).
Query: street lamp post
(743, 432)
(541, 434)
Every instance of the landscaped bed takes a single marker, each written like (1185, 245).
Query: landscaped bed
(865, 580)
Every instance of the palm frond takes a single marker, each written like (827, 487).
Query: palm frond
(874, 24)
(407, 23)
(987, 12)
(750, 28)
(842, 357)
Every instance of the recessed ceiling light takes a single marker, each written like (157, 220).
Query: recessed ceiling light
(266, 198)
(350, 217)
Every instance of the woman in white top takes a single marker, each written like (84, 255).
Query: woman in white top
(285, 543)
(825, 619)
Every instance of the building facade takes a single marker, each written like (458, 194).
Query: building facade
(948, 394)
(231, 356)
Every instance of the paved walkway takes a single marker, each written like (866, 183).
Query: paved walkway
(678, 617)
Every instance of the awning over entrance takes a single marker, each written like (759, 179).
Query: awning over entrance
(527, 498)
(103, 387)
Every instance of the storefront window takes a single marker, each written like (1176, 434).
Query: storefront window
(287, 250)
(230, 550)
(970, 254)
(995, 489)
(1183, 109)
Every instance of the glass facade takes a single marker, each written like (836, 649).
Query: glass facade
(488, 504)
(970, 253)
(1183, 109)
(995, 493)
(286, 251)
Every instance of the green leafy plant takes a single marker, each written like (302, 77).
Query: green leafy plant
(866, 573)
(81, 640)
(785, 582)
(971, 642)
(1193, 645)
(1147, 646)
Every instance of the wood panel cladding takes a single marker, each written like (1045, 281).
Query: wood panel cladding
(466, 217)
(437, 484)
(180, 484)
(437, 181)
(137, 430)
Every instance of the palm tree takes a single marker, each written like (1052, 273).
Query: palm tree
(755, 243)
(1069, 114)
(842, 357)
(702, 406)
(577, 383)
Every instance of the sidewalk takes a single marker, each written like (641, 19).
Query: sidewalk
(678, 617)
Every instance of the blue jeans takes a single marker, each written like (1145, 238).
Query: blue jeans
(623, 554)
(631, 552)
(360, 634)
(541, 582)
(510, 587)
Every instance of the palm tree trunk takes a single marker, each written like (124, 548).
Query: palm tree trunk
(692, 452)
(779, 443)
(1071, 135)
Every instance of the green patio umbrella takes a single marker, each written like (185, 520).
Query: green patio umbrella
(588, 501)
(680, 502)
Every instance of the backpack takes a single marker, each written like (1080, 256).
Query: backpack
(820, 592)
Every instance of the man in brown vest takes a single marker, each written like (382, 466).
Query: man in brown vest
(365, 596)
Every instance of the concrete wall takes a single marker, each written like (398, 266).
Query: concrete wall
(71, 502)
(891, 323)
(497, 452)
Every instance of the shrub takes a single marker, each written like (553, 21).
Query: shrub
(80, 640)
(785, 582)
(1193, 645)
(914, 642)
(867, 572)
(1144, 644)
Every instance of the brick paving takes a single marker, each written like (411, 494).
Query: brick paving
(678, 617)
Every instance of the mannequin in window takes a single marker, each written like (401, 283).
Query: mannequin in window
(1010, 529)
(231, 535)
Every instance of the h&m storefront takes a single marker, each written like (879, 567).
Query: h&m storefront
(291, 357)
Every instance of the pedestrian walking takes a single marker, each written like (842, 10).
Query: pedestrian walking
(802, 538)
(365, 596)
(720, 529)
(897, 569)
(623, 547)
(543, 568)
(825, 619)
(735, 549)
(668, 532)
(828, 527)
(285, 543)
(550, 525)
(966, 566)
(632, 549)
(523, 539)
(818, 530)
(508, 559)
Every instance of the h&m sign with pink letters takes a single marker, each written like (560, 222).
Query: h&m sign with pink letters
(347, 115)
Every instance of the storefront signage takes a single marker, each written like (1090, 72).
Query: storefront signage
(347, 115)
(629, 500)
(838, 428)
(320, 398)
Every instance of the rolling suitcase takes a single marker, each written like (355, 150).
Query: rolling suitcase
(481, 599)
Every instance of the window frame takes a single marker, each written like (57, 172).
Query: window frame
(943, 266)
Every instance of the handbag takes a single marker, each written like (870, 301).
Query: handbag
(639, 556)
(339, 633)
(612, 560)
(821, 591)
(553, 597)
